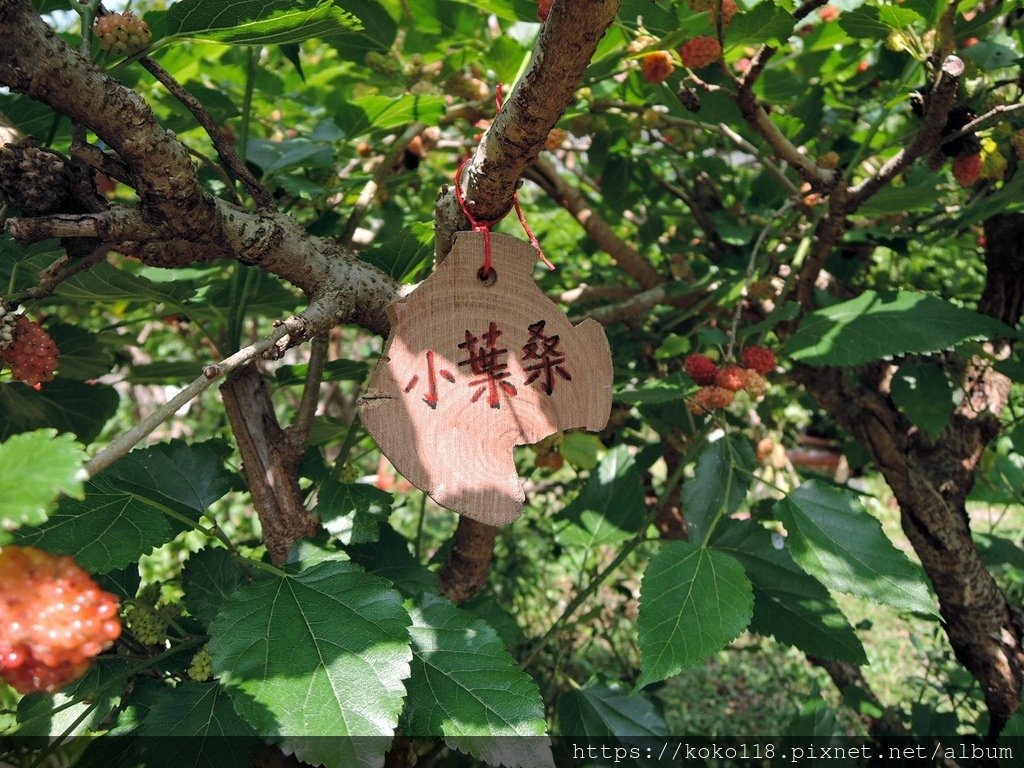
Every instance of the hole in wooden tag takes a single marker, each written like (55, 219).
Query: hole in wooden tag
(487, 278)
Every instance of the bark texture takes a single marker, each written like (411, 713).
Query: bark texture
(931, 481)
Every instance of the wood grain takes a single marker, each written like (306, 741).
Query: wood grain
(472, 370)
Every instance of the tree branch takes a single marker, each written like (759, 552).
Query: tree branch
(928, 138)
(631, 261)
(287, 333)
(224, 148)
(514, 140)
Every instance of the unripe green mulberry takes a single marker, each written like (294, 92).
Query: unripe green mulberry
(201, 668)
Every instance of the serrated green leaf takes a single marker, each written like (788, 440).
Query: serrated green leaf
(210, 577)
(334, 370)
(581, 449)
(378, 113)
(319, 653)
(923, 392)
(206, 729)
(609, 509)
(763, 23)
(467, 687)
(403, 255)
(36, 468)
(874, 326)
(389, 557)
(833, 538)
(104, 283)
(789, 605)
(82, 357)
(721, 479)
(606, 711)
(351, 512)
(67, 406)
(670, 389)
(108, 529)
(693, 602)
(186, 478)
(258, 22)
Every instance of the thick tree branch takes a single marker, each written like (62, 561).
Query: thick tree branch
(515, 138)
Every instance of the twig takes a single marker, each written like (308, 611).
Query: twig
(977, 122)
(928, 138)
(636, 305)
(312, 318)
(224, 147)
(385, 166)
(311, 391)
(60, 270)
(630, 260)
(751, 262)
(102, 162)
(771, 167)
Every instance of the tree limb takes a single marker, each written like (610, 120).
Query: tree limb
(515, 138)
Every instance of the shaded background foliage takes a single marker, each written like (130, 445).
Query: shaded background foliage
(790, 196)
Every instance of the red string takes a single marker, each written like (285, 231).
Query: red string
(483, 226)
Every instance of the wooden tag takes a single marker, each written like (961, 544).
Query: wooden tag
(475, 367)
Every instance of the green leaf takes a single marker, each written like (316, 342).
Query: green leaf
(67, 406)
(165, 372)
(104, 284)
(258, 22)
(581, 449)
(320, 653)
(403, 255)
(610, 508)
(377, 112)
(815, 719)
(923, 392)
(210, 577)
(608, 711)
(351, 512)
(204, 725)
(467, 687)
(82, 356)
(389, 557)
(763, 23)
(79, 709)
(833, 538)
(693, 602)
(186, 478)
(334, 370)
(667, 390)
(874, 325)
(37, 467)
(721, 479)
(865, 22)
(108, 529)
(789, 605)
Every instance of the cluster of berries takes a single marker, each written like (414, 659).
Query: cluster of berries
(54, 620)
(122, 33)
(27, 348)
(697, 52)
(720, 383)
(147, 618)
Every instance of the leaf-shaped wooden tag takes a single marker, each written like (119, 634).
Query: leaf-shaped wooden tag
(474, 367)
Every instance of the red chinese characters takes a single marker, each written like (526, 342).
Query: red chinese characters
(488, 365)
(550, 359)
(485, 361)
(431, 398)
